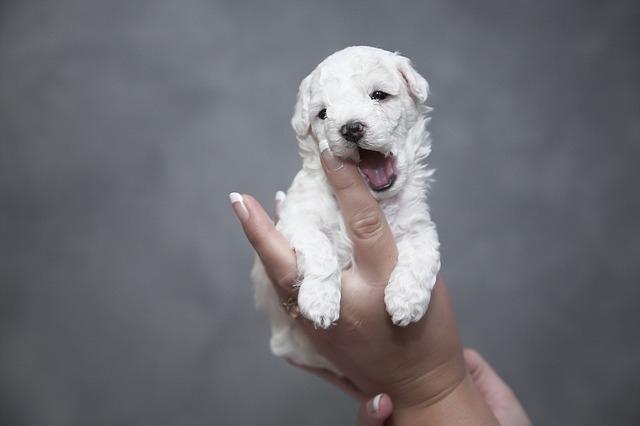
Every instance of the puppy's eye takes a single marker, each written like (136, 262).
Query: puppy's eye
(322, 114)
(379, 95)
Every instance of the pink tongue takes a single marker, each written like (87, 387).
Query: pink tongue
(376, 167)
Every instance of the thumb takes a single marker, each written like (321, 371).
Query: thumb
(375, 411)
(374, 246)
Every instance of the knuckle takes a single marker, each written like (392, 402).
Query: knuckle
(367, 226)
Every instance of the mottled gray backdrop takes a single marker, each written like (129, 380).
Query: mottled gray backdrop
(124, 124)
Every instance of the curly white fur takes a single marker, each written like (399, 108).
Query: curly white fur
(384, 96)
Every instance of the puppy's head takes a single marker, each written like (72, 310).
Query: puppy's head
(364, 102)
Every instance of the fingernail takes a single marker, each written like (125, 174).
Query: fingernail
(280, 196)
(330, 160)
(237, 202)
(374, 405)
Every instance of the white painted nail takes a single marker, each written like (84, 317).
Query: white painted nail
(333, 163)
(374, 404)
(237, 202)
(280, 196)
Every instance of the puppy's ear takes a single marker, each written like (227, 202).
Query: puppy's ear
(300, 119)
(418, 86)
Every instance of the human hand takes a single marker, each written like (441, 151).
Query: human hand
(421, 366)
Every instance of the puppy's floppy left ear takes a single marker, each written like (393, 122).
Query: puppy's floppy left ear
(300, 119)
(418, 86)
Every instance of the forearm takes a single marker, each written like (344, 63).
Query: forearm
(463, 405)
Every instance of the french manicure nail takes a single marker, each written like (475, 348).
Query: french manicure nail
(280, 196)
(374, 405)
(237, 202)
(332, 163)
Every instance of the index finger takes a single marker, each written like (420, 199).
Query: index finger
(272, 247)
(374, 246)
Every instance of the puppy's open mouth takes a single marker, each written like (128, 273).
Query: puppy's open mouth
(378, 169)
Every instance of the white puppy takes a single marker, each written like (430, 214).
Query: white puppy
(367, 106)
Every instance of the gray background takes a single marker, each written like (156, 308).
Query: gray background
(124, 293)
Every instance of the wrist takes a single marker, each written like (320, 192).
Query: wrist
(462, 404)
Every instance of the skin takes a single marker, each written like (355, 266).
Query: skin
(496, 393)
(420, 368)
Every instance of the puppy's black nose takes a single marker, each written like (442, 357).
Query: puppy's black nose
(352, 131)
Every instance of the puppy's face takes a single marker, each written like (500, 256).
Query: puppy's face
(363, 101)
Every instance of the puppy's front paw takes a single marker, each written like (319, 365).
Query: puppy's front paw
(319, 300)
(406, 298)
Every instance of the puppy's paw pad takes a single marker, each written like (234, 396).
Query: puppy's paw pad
(320, 302)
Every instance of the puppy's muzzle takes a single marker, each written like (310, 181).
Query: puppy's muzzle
(377, 168)
(352, 131)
